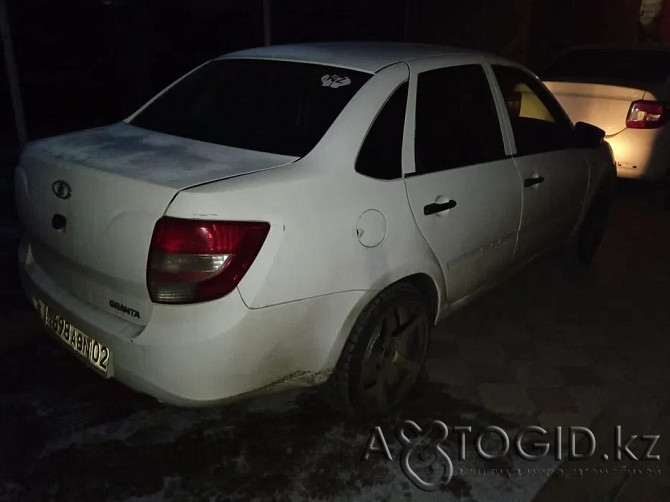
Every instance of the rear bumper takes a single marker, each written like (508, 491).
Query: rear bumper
(203, 354)
(642, 153)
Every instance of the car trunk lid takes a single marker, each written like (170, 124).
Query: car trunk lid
(602, 105)
(90, 200)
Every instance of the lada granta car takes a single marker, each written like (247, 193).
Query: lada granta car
(300, 215)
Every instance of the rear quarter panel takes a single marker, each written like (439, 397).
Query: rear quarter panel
(313, 206)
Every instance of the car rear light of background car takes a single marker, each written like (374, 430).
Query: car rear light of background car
(193, 261)
(647, 114)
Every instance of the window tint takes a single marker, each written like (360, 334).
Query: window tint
(381, 154)
(270, 106)
(538, 122)
(456, 120)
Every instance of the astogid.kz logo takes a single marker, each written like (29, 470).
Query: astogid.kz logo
(432, 452)
(426, 463)
(427, 447)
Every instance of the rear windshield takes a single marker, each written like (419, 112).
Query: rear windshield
(269, 106)
(611, 64)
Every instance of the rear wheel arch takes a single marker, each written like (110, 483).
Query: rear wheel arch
(341, 390)
(425, 283)
(428, 289)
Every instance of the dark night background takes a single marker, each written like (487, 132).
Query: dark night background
(65, 434)
(83, 63)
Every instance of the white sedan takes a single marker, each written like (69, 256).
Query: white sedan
(295, 215)
(624, 90)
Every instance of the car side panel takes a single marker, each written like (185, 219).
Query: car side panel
(314, 207)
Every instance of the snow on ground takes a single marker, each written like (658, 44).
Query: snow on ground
(92, 438)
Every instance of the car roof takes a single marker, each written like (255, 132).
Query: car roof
(369, 57)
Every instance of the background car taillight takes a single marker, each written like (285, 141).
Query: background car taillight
(647, 114)
(194, 261)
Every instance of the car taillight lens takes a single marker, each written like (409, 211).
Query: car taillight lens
(647, 114)
(194, 261)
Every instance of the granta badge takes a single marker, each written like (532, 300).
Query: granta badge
(123, 308)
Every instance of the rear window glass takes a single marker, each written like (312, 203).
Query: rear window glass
(269, 106)
(609, 64)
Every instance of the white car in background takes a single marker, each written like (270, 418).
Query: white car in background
(626, 92)
(299, 214)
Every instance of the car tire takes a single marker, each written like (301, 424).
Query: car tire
(591, 230)
(384, 355)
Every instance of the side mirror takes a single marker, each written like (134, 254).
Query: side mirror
(587, 135)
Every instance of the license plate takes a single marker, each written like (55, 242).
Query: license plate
(94, 352)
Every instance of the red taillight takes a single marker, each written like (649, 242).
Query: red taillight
(194, 261)
(647, 114)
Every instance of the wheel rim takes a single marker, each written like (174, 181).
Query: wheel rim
(393, 356)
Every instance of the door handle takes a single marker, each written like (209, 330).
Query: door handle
(529, 182)
(438, 207)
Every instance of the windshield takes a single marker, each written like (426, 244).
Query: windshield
(610, 64)
(270, 106)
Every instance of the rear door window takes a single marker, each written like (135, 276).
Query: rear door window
(270, 106)
(456, 120)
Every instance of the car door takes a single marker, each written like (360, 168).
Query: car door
(554, 173)
(463, 189)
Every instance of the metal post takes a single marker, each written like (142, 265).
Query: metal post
(12, 75)
(267, 22)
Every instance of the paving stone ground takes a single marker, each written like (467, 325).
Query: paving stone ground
(582, 341)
